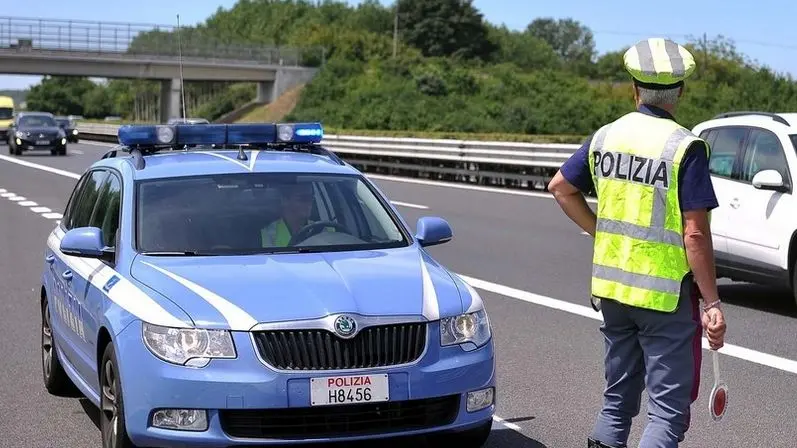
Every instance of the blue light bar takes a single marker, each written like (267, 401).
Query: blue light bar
(220, 134)
(251, 134)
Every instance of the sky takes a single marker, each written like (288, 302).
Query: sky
(764, 30)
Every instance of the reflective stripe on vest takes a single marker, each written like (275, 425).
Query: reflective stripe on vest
(639, 256)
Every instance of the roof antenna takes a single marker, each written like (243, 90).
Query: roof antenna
(180, 59)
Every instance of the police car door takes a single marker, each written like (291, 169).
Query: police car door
(78, 325)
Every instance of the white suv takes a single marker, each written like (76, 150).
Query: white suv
(754, 170)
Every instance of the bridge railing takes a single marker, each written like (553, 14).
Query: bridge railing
(136, 40)
(508, 164)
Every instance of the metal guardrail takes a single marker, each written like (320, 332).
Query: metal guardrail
(519, 165)
(131, 40)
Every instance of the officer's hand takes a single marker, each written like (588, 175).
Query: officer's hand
(714, 323)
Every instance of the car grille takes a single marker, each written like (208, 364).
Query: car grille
(346, 420)
(378, 346)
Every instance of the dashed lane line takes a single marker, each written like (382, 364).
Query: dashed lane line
(754, 356)
(30, 205)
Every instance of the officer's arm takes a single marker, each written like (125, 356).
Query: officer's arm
(697, 198)
(567, 186)
(700, 252)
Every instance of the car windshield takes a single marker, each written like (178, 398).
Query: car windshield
(239, 214)
(35, 121)
(6, 113)
(63, 122)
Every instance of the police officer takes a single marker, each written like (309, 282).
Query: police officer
(653, 257)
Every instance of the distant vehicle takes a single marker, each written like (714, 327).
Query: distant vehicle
(753, 167)
(32, 131)
(69, 127)
(257, 293)
(174, 121)
(6, 116)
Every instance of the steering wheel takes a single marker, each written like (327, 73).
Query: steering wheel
(315, 228)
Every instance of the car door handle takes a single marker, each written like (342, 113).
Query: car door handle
(67, 275)
(49, 258)
(735, 202)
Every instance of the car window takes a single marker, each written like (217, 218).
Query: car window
(84, 207)
(763, 152)
(794, 142)
(66, 221)
(106, 213)
(34, 121)
(6, 113)
(262, 213)
(726, 147)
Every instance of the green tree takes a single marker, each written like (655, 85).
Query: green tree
(445, 28)
(571, 40)
(60, 95)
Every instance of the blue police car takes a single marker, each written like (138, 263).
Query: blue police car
(234, 285)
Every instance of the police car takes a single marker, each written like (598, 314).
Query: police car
(172, 298)
(753, 166)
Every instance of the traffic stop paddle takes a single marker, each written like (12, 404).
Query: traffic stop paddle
(718, 401)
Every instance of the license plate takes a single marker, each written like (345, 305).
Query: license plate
(349, 389)
(42, 142)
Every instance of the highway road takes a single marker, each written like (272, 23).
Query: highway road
(529, 262)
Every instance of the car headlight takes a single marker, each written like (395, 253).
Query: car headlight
(471, 327)
(63, 141)
(74, 131)
(192, 347)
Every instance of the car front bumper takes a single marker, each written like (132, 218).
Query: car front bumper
(249, 403)
(34, 145)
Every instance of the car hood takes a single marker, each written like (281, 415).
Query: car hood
(239, 292)
(41, 130)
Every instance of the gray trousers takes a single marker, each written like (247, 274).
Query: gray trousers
(653, 350)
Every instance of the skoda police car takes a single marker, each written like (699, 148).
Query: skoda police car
(238, 284)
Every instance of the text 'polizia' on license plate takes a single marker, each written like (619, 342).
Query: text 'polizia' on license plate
(349, 389)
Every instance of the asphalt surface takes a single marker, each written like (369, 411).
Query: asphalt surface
(549, 348)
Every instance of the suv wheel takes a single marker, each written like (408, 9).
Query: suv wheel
(112, 408)
(55, 379)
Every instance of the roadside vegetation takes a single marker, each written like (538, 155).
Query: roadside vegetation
(454, 74)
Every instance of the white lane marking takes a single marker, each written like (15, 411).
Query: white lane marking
(31, 205)
(409, 205)
(52, 215)
(237, 318)
(535, 194)
(27, 204)
(8, 195)
(76, 151)
(40, 210)
(735, 351)
(3, 190)
(506, 424)
(37, 166)
(16, 198)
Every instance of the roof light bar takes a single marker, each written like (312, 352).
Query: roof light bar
(220, 134)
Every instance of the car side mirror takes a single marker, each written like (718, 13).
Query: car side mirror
(769, 180)
(86, 242)
(431, 231)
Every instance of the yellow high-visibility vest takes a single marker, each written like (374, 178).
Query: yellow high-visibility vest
(639, 255)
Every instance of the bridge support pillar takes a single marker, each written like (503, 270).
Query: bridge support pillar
(170, 99)
(265, 92)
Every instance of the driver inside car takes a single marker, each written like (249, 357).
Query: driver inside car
(296, 208)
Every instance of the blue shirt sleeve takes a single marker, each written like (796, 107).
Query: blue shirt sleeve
(576, 168)
(696, 190)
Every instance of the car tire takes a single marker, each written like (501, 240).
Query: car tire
(112, 422)
(62, 152)
(472, 438)
(55, 378)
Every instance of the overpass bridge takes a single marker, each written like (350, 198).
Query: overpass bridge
(30, 46)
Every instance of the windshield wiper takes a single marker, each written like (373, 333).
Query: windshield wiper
(184, 253)
(292, 250)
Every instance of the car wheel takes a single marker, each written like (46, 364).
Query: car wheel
(112, 422)
(62, 152)
(472, 438)
(55, 379)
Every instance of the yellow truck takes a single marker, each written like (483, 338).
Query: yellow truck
(6, 116)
